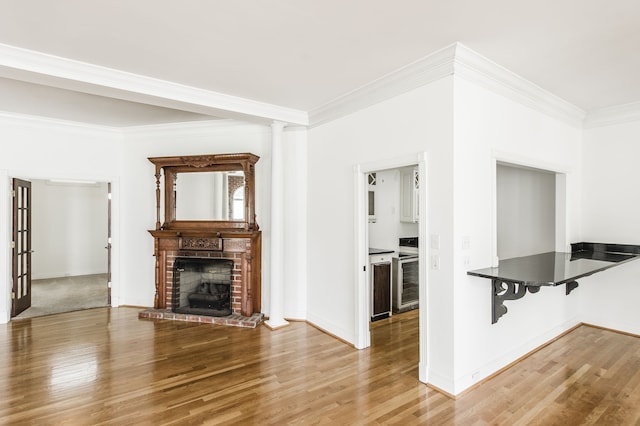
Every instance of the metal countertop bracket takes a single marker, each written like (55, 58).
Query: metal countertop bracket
(509, 290)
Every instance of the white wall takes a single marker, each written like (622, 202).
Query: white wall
(69, 229)
(39, 149)
(525, 211)
(489, 127)
(610, 184)
(417, 121)
(611, 209)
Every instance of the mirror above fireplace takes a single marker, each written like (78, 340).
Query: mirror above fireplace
(215, 196)
(206, 192)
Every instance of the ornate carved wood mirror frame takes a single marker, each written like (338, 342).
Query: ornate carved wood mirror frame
(171, 167)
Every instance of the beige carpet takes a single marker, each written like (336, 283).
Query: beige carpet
(65, 294)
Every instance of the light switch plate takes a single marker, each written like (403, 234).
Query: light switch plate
(466, 242)
(435, 241)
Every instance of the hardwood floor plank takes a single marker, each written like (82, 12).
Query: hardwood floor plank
(105, 366)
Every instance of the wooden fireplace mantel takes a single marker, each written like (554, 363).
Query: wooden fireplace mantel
(240, 240)
(244, 247)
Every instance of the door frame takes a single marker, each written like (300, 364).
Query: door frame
(6, 231)
(18, 249)
(362, 334)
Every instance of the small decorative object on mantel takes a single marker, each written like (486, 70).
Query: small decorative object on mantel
(209, 213)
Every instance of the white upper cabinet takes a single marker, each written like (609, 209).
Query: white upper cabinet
(409, 185)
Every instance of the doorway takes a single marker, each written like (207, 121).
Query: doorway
(70, 262)
(393, 240)
(363, 279)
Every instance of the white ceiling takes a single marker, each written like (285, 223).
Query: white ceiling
(302, 54)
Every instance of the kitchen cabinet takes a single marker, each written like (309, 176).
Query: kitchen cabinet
(372, 179)
(409, 193)
(380, 267)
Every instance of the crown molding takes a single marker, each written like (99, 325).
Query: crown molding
(474, 67)
(618, 114)
(37, 67)
(164, 129)
(34, 121)
(455, 59)
(194, 127)
(419, 73)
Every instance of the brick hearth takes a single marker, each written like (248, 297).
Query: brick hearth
(235, 320)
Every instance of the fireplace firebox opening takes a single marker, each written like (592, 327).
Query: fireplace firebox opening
(202, 286)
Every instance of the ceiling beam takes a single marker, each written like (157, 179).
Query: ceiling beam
(40, 68)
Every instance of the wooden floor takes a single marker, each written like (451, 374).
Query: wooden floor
(105, 366)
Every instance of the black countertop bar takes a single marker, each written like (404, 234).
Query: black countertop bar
(552, 268)
(513, 277)
(602, 251)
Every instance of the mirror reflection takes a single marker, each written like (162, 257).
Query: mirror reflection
(210, 196)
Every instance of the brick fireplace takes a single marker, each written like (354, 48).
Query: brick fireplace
(237, 241)
(245, 291)
(202, 286)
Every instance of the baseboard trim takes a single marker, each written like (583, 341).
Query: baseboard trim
(613, 330)
(317, 327)
(517, 361)
(275, 327)
(133, 306)
(445, 393)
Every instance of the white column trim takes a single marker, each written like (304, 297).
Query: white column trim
(362, 291)
(276, 309)
(426, 349)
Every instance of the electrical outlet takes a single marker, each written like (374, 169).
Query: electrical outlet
(435, 242)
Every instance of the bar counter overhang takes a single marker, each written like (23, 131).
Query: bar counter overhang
(514, 277)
